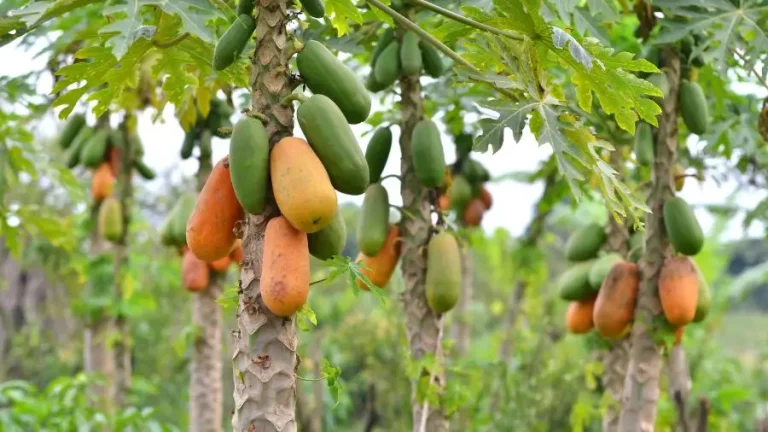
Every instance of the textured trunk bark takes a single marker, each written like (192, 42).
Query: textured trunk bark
(264, 358)
(463, 323)
(423, 326)
(679, 385)
(615, 359)
(641, 386)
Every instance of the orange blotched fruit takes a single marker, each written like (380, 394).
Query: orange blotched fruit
(194, 272)
(210, 227)
(381, 266)
(615, 304)
(578, 318)
(220, 264)
(236, 256)
(473, 214)
(679, 290)
(285, 271)
(102, 183)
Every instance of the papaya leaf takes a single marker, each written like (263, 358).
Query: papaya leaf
(510, 115)
(35, 14)
(306, 316)
(341, 12)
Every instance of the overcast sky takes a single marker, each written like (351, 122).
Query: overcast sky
(512, 201)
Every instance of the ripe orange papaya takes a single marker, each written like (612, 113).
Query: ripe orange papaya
(578, 318)
(236, 256)
(615, 304)
(301, 185)
(194, 272)
(285, 271)
(210, 227)
(220, 264)
(114, 160)
(486, 198)
(473, 213)
(444, 202)
(102, 183)
(381, 266)
(679, 290)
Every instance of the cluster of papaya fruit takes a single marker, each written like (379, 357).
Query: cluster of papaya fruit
(602, 290)
(407, 56)
(465, 190)
(206, 128)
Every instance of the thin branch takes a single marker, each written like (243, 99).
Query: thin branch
(171, 42)
(464, 20)
(301, 97)
(318, 281)
(322, 378)
(752, 69)
(390, 176)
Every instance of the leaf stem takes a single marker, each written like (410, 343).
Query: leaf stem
(750, 70)
(257, 115)
(322, 378)
(464, 20)
(169, 43)
(390, 176)
(301, 97)
(318, 281)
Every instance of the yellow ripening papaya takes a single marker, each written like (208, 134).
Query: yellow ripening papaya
(194, 272)
(102, 183)
(379, 268)
(679, 290)
(285, 270)
(578, 317)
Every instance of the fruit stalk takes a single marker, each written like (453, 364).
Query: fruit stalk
(264, 357)
(641, 386)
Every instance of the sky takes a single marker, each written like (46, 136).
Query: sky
(513, 201)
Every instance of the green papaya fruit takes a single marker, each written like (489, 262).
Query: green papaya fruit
(683, 228)
(373, 226)
(475, 172)
(330, 240)
(387, 67)
(427, 154)
(218, 119)
(71, 129)
(693, 107)
(574, 284)
(110, 222)
(660, 81)
(600, 269)
(443, 278)
(325, 74)
(460, 193)
(143, 169)
(76, 148)
(387, 36)
(137, 148)
(584, 244)
(315, 8)
(188, 145)
(377, 152)
(704, 301)
(205, 144)
(464, 143)
(245, 7)
(410, 54)
(181, 212)
(220, 107)
(166, 235)
(95, 149)
(644, 144)
(233, 41)
(372, 84)
(249, 164)
(430, 57)
(330, 136)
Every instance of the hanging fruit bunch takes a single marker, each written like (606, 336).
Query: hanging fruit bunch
(465, 191)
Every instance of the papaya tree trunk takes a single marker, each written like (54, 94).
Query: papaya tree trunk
(264, 358)
(205, 386)
(423, 326)
(641, 386)
(616, 358)
(679, 385)
(463, 323)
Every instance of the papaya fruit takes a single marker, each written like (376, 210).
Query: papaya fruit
(444, 202)
(188, 145)
(679, 177)
(387, 66)
(220, 264)
(301, 185)
(443, 278)
(314, 8)
(166, 235)
(486, 198)
(102, 183)
(585, 243)
(76, 148)
(573, 284)
(578, 317)
(194, 272)
(233, 41)
(95, 150)
(460, 193)
(387, 36)
(71, 129)
(615, 304)
(430, 57)
(410, 54)
(373, 85)
(373, 224)
(236, 256)
(464, 143)
(245, 7)
(601, 268)
(644, 144)
(682, 227)
(285, 272)
(143, 169)
(210, 227)
(377, 153)
(330, 240)
(660, 81)
(473, 213)
(249, 164)
(703, 301)
(335, 144)
(427, 154)
(379, 268)
(693, 107)
(179, 216)
(110, 223)
(475, 172)
(205, 144)
(679, 290)
(326, 75)
(113, 159)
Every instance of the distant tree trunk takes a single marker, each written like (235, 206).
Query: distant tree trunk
(463, 323)
(679, 385)
(615, 359)
(641, 386)
(423, 326)
(265, 359)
